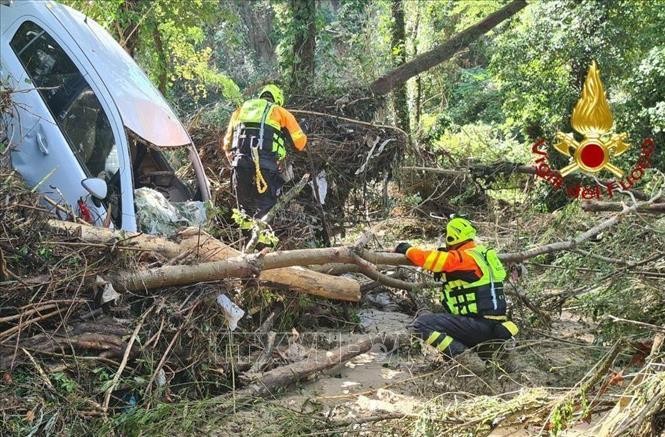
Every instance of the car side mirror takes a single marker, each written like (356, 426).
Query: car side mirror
(96, 187)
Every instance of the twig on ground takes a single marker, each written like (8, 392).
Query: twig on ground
(125, 357)
(635, 322)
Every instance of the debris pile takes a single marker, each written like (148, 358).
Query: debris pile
(351, 156)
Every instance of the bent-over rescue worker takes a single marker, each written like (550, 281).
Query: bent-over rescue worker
(255, 144)
(472, 292)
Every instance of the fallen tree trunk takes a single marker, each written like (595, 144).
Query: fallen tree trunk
(207, 249)
(244, 267)
(119, 239)
(322, 360)
(366, 261)
(445, 51)
(509, 168)
(598, 206)
(479, 170)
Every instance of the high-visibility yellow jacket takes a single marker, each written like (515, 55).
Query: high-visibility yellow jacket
(279, 128)
(473, 282)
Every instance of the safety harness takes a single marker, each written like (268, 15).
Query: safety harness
(484, 297)
(252, 134)
(261, 184)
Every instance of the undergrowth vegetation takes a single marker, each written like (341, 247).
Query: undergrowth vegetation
(80, 358)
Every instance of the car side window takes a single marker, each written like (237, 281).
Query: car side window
(74, 105)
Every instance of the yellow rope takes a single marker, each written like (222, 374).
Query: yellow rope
(261, 184)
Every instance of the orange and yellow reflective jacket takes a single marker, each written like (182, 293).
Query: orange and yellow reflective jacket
(473, 280)
(261, 123)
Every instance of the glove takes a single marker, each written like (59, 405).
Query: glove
(402, 248)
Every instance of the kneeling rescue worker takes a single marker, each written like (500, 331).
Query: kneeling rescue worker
(472, 293)
(255, 144)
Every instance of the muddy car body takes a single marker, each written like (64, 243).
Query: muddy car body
(86, 126)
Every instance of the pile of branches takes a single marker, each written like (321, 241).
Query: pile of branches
(82, 350)
(356, 154)
(69, 343)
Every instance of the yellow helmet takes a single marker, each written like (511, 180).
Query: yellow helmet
(276, 93)
(459, 230)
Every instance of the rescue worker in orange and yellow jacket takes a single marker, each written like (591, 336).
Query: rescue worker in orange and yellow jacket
(256, 143)
(472, 292)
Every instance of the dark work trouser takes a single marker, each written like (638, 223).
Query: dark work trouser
(452, 334)
(256, 204)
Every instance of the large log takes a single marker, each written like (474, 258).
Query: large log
(445, 51)
(297, 278)
(365, 261)
(209, 249)
(246, 266)
(598, 205)
(281, 377)
(121, 239)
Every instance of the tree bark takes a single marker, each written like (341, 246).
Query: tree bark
(366, 261)
(162, 78)
(419, 85)
(304, 45)
(209, 249)
(259, 23)
(322, 360)
(597, 206)
(245, 267)
(445, 51)
(398, 52)
(298, 279)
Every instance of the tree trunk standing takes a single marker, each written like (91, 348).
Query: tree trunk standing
(161, 55)
(259, 23)
(398, 54)
(304, 45)
(419, 84)
(127, 24)
(444, 51)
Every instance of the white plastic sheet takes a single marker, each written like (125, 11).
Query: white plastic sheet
(156, 215)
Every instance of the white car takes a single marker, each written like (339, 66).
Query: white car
(86, 126)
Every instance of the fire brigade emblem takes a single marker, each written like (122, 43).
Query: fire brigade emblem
(592, 118)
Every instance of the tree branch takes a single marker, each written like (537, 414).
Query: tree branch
(572, 244)
(261, 224)
(445, 51)
(597, 206)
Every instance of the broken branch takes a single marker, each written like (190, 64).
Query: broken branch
(598, 206)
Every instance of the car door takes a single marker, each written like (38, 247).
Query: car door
(39, 150)
(60, 132)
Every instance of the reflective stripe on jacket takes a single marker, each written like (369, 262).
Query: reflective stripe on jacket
(279, 127)
(473, 280)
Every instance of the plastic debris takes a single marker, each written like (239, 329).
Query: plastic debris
(108, 293)
(161, 378)
(232, 312)
(156, 215)
(322, 184)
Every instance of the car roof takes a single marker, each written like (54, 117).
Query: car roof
(142, 107)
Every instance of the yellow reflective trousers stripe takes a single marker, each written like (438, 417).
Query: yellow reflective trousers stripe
(432, 337)
(496, 317)
(445, 343)
(511, 327)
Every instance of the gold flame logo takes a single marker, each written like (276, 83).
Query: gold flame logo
(592, 118)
